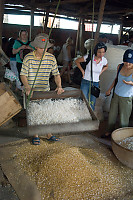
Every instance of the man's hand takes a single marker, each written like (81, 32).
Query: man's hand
(26, 85)
(59, 90)
(28, 89)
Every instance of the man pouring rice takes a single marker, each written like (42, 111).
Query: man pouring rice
(48, 65)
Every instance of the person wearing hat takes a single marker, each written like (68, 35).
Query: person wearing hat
(99, 65)
(122, 94)
(48, 65)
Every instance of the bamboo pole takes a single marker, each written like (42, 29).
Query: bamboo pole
(100, 18)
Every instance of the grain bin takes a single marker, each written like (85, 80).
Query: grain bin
(124, 153)
(71, 126)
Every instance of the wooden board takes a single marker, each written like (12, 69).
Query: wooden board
(9, 105)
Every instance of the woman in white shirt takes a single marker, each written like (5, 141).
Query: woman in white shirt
(99, 65)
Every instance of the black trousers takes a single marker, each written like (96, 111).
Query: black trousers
(19, 66)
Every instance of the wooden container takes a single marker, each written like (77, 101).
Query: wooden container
(81, 126)
(123, 154)
(9, 105)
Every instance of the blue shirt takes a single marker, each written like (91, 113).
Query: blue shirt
(122, 89)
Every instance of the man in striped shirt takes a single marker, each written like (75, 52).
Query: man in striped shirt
(48, 65)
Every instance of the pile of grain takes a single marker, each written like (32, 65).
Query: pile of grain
(64, 172)
(48, 111)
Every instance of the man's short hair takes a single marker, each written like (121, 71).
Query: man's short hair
(103, 36)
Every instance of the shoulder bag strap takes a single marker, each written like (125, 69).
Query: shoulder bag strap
(116, 80)
(20, 42)
(28, 42)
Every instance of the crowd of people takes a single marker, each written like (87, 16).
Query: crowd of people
(26, 56)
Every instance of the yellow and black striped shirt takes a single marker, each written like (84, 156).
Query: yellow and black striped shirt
(30, 66)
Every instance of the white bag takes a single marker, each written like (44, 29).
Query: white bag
(10, 75)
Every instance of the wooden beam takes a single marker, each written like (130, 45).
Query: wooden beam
(75, 15)
(48, 3)
(84, 12)
(120, 34)
(31, 24)
(77, 38)
(82, 31)
(100, 18)
(45, 29)
(54, 3)
(1, 19)
(110, 12)
(73, 10)
(32, 19)
(84, 9)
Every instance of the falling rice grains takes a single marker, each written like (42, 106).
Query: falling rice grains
(65, 172)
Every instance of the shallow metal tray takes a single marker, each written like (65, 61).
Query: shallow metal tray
(81, 126)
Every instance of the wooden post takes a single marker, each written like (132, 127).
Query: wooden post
(46, 21)
(32, 20)
(100, 18)
(31, 24)
(1, 19)
(82, 31)
(111, 28)
(120, 34)
(77, 38)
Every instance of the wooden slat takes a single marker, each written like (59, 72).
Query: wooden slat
(9, 106)
(1, 18)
